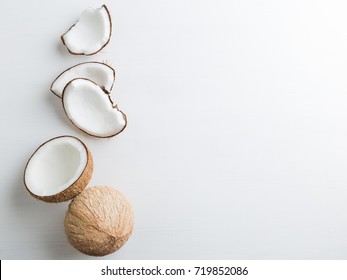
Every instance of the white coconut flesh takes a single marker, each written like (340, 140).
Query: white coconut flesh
(90, 33)
(90, 108)
(100, 73)
(55, 166)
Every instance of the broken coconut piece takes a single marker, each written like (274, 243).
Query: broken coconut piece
(91, 109)
(90, 33)
(98, 72)
(59, 169)
(99, 221)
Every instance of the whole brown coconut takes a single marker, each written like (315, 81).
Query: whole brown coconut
(99, 221)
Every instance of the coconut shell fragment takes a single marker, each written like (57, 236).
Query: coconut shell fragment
(59, 169)
(98, 72)
(90, 34)
(92, 110)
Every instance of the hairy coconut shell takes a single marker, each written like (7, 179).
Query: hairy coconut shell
(76, 187)
(99, 221)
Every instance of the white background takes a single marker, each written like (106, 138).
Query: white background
(236, 145)
(172, 269)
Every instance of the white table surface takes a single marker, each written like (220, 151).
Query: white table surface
(236, 145)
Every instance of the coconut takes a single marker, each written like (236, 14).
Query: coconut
(99, 221)
(59, 169)
(91, 109)
(98, 72)
(91, 33)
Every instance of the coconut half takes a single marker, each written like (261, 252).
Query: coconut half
(99, 221)
(91, 33)
(91, 109)
(59, 169)
(98, 72)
